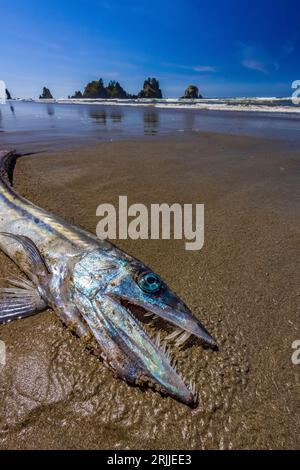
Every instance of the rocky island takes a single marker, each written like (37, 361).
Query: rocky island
(8, 95)
(46, 95)
(192, 92)
(77, 95)
(150, 89)
(96, 89)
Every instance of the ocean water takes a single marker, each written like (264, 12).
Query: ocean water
(50, 125)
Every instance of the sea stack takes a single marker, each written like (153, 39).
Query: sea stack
(95, 89)
(192, 92)
(150, 89)
(46, 95)
(77, 95)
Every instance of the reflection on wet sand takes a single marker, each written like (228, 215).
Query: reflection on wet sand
(12, 109)
(50, 110)
(189, 121)
(151, 121)
(66, 124)
(116, 116)
(99, 115)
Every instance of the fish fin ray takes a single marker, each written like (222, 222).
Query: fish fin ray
(35, 261)
(18, 303)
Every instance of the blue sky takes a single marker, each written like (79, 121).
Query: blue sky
(226, 48)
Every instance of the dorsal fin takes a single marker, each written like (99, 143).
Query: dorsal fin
(7, 165)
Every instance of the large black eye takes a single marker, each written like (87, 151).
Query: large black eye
(149, 282)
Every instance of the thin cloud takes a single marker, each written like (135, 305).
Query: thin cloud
(290, 46)
(289, 49)
(204, 68)
(256, 58)
(254, 64)
(194, 68)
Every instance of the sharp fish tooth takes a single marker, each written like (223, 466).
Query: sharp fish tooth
(148, 314)
(174, 363)
(157, 339)
(192, 386)
(182, 339)
(174, 334)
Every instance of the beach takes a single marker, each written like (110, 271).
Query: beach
(243, 285)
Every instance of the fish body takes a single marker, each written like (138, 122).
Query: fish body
(94, 287)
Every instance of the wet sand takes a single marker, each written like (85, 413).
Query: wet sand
(243, 285)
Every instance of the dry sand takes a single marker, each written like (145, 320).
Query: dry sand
(243, 285)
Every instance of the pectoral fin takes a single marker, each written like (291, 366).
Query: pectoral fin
(19, 301)
(33, 263)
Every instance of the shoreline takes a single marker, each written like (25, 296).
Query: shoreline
(209, 104)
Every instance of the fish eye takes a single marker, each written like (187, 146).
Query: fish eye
(149, 282)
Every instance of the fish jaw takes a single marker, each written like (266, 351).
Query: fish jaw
(129, 351)
(119, 279)
(184, 319)
(102, 286)
(166, 305)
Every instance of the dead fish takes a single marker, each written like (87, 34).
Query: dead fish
(93, 286)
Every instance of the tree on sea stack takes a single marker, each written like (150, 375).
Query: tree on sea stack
(46, 95)
(77, 95)
(114, 90)
(95, 89)
(192, 92)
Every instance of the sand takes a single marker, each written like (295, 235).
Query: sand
(243, 285)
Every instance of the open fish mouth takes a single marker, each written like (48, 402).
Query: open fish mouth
(118, 315)
(185, 323)
(168, 342)
(154, 323)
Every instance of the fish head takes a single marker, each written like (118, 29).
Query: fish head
(106, 288)
(140, 286)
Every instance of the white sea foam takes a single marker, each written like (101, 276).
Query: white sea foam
(2, 92)
(252, 104)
